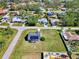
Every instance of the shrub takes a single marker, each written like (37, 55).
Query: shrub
(42, 39)
(0, 17)
(32, 21)
(77, 32)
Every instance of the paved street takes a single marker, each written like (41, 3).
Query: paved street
(57, 28)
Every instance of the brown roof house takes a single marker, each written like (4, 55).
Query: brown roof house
(70, 36)
(3, 11)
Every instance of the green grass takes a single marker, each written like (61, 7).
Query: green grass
(40, 25)
(4, 24)
(7, 41)
(17, 24)
(52, 43)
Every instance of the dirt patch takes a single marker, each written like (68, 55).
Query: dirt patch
(32, 56)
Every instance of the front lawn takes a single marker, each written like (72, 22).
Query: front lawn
(52, 43)
(6, 36)
(4, 24)
(40, 25)
(17, 24)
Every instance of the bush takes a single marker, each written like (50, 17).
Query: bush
(42, 39)
(32, 21)
(0, 18)
(77, 32)
(31, 24)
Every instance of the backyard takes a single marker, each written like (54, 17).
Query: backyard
(6, 36)
(52, 43)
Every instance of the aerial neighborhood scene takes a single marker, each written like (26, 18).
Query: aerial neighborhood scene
(39, 29)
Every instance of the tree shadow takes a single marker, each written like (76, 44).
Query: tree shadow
(26, 37)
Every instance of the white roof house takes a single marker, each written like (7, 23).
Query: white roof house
(54, 22)
(5, 18)
(16, 19)
(42, 20)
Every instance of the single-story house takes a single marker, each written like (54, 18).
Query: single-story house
(55, 55)
(26, 17)
(54, 22)
(61, 13)
(43, 21)
(3, 11)
(17, 19)
(33, 36)
(70, 36)
(49, 9)
(50, 13)
(63, 9)
(14, 13)
(5, 18)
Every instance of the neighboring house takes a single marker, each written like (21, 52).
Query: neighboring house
(63, 9)
(70, 36)
(14, 13)
(5, 18)
(54, 22)
(50, 13)
(49, 9)
(3, 11)
(55, 55)
(17, 19)
(43, 21)
(61, 13)
(25, 17)
(33, 36)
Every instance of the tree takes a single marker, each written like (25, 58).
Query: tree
(72, 4)
(22, 12)
(0, 18)
(52, 3)
(69, 18)
(3, 4)
(72, 15)
(77, 18)
(42, 39)
(32, 6)
(7, 31)
(32, 21)
(69, 4)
